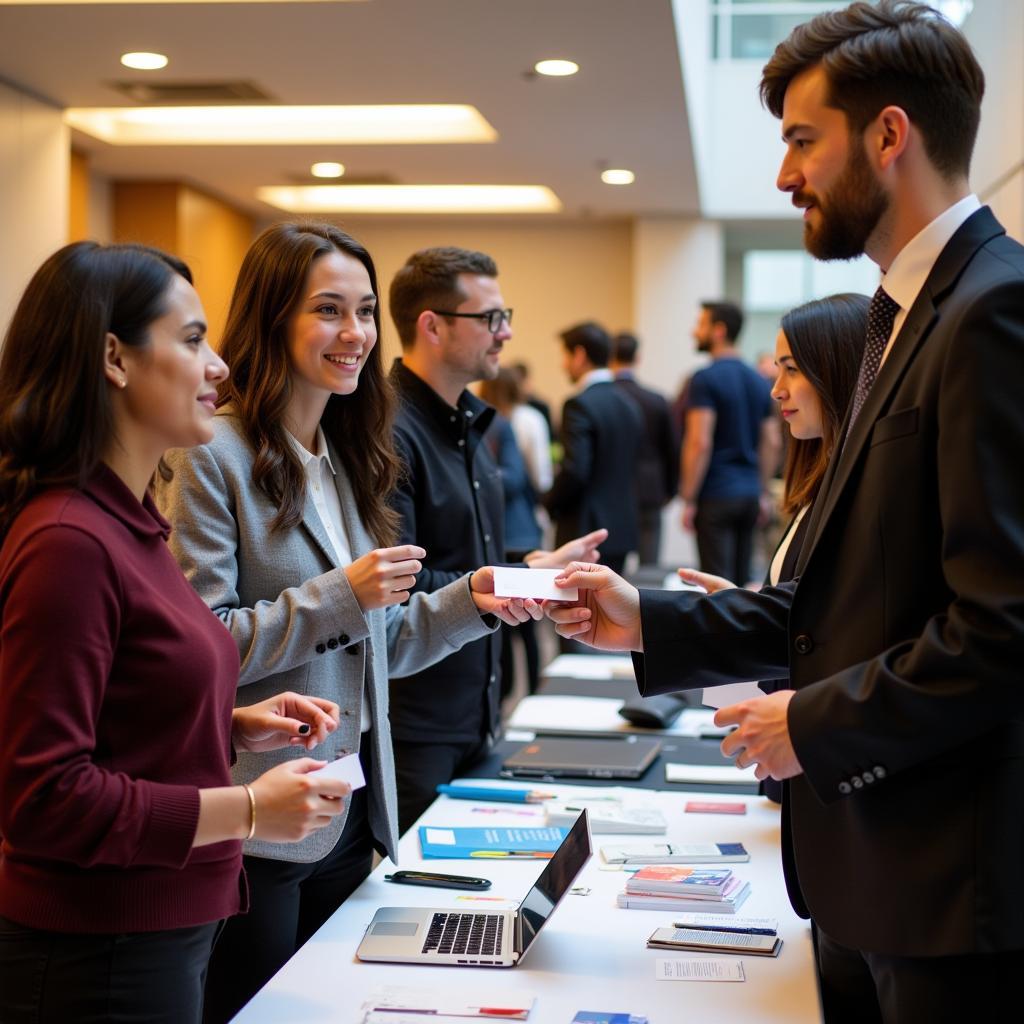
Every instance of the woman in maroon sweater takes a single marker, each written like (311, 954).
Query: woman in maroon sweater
(121, 831)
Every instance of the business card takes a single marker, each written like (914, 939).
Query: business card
(536, 583)
(714, 807)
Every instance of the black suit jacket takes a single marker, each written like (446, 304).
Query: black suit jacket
(657, 464)
(904, 635)
(596, 482)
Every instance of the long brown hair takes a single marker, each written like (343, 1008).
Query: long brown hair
(826, 338)
(255, 346)
(56, 419)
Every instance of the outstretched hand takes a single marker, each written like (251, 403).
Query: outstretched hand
(511, 610)
(606, 616)
(580, 549)
(712, 584)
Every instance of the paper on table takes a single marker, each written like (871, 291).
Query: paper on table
(731, 693)
(666, 969)
(562, 713)
(442, 1005)
(536, 583)
(721, 773)
(348, 769)
(591, 666)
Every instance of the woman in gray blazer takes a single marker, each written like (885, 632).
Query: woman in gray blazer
(282, 525)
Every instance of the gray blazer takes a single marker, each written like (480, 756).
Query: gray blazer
(295, 618)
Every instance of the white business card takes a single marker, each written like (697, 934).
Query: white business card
(666, 969)
(730, 693)
(348, 769)
(536, 583)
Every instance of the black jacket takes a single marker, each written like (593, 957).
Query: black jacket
(451, 503)
(657, 461)
(904, 637)
(596, 482)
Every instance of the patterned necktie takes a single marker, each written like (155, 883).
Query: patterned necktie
(881, 316)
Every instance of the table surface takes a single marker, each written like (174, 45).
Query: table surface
(590, 956)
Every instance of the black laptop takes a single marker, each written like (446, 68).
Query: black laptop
(570, 757)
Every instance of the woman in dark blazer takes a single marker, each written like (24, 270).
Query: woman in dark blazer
(282, 525)
(817, 352)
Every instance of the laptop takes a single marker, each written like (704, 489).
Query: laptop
(415, 935)
(556, 757)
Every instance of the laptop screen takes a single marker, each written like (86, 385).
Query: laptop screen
(555, 880)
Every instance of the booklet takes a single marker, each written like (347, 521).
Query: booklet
(675, 853)
(462, 843)
(608, 816)
(707, 941)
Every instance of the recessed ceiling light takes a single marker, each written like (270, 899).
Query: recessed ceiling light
(556, 68)
(277, 125)
(327, 169)
(618, 176)
(411, 198)
(142, 61)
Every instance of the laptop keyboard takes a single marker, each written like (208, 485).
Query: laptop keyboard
(470, 934)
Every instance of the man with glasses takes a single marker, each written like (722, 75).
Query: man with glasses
(453, 324)
(601, 429)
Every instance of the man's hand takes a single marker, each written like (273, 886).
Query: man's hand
(762, 735)
(511, 610)
(689, 517)
(582, 549)
(607, 614)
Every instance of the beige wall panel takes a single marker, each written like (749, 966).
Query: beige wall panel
(147, 212)
(213, 239)
(78, 197)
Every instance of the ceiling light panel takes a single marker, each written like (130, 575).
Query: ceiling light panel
(282, 125)
(556, 68)
(411, 198)
(140, 60)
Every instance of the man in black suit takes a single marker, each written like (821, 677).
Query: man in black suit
(902, 738)
(657, 466)
(601, 428)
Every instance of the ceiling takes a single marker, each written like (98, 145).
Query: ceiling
(625, 108)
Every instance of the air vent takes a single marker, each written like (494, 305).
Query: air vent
(373, 178)
(177, 94)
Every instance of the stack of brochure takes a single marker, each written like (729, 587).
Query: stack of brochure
(611, 817)
(665, 886)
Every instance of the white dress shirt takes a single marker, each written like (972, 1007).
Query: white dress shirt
(909, 271)
(320, 474)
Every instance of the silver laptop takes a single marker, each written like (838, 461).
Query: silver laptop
(418, 935)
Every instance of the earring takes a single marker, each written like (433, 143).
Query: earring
(123, 382)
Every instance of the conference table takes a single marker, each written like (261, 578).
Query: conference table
(591, 955)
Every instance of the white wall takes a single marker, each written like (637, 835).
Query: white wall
(34, 159)
(995, 29)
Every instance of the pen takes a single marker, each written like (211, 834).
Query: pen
(512, 853)
(520, 796)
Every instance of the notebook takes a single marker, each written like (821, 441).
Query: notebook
(418, 935)
(626, 757)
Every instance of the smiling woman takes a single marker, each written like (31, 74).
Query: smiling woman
(282, 525)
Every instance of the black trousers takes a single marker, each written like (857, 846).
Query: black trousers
(869, 988)
(725, 536)
(421, 767)
(288, 902)
(526, 634)
(134, 978)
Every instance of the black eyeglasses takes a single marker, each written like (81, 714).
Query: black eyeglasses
(494, 317)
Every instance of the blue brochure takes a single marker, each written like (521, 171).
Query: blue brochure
(460, 843)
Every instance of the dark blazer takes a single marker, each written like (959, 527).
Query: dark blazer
(657, 463)
(904, 636)
(595, 484)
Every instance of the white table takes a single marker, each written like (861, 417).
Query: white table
(591, 955)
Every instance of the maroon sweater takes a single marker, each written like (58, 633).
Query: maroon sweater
(116, 689)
